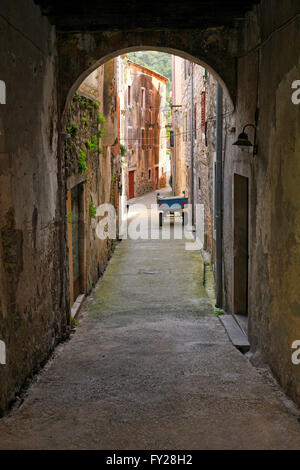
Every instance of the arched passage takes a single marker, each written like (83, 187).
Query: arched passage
(80, 54)
(33, 310)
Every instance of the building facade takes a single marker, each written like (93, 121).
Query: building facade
(143, 127)
(193, 119)
(92, 166)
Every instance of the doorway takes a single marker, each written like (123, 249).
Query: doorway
(156, 177)
(75, 226)
(131, 184)
(240, 249)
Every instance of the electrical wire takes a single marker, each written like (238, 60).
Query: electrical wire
(211, 118)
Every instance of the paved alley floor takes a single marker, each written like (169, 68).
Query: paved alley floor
(150, 367)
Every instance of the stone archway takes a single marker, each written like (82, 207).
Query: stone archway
(81, 53)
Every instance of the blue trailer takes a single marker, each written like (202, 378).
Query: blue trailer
(170, 205)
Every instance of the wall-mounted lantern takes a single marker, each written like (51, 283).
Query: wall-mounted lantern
(243, 141)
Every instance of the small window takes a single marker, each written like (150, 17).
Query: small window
(143, 98)
(150, 98)
(185, 127)
(185, 69)
(203, 114)
(149, 174)
(143, 139)
(129, 95)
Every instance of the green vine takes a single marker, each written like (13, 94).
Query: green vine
(93, 144)
(82, 162)
(123, 150)
(101, 119)
(72, 130)
(69, 217)
(85, 121)
(92, 208)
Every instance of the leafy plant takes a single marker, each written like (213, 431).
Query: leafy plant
(92, 208)
(218, 313)
(85, 121)
(82, 162)
(74, 323)
(93, 144)
(101, 119)
(76, 97)
(123, 150)
(69, 217)
(72, 130)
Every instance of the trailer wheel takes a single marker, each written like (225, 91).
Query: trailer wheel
(160, 219)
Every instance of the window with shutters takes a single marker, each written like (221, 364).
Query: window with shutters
(150, 98)
(185, 69)
(143, 134)
(185, 127)
(143, 98)
(129, 95)
(203, 113)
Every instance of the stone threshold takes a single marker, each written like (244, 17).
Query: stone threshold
(235, 333)
(77, 305)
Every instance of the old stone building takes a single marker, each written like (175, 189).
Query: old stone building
(92, 169)
(252, 49)
(193, 121)
(143, 127)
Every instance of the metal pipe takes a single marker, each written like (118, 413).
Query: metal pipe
(173, 151)
(192, 141)
(219, 198)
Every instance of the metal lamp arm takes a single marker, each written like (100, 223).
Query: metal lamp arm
(249, 125)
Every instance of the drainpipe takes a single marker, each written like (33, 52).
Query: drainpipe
(219, 198)
(173, 150)
(192, 142)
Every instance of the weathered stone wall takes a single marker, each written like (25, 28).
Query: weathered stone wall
(86, 134)
(269, 61)
(34, 312)
(33, 271)
(203, 109)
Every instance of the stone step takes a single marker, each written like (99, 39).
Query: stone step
(242, 321)
(77, 305)
(235, 334)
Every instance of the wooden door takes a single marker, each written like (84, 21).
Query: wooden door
(241, 255)
(75, 241)
(131, 184)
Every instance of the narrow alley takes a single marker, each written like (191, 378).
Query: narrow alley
(150, 367)
(149, 225)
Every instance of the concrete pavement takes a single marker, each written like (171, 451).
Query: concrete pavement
(150, 367)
